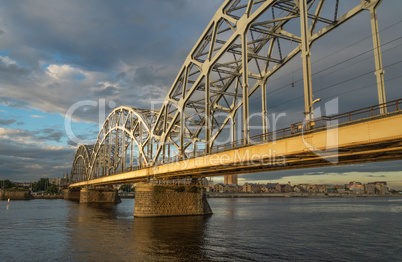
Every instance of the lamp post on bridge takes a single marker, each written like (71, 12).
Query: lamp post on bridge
(309, 115)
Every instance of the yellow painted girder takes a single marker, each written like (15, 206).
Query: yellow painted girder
(372, 132)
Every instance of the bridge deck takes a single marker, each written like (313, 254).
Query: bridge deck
(369, 140)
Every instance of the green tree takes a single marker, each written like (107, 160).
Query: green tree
(126, 188)
(43, 183)
(35, 187)
(6, 184)
(52, 189)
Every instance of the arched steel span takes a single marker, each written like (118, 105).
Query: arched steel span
(245, 43)
(123, 142)
(81, 164)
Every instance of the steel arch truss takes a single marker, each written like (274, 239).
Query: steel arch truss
(242, 47)
(80, 169)
(245, 43)
(123, 144)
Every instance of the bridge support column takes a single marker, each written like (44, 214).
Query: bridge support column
(378, 60)
(170, 200)
(72, 194)
(99, 195)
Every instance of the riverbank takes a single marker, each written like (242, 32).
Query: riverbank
(128, 195)
(15, 195)
(281, 195)
(48, 196)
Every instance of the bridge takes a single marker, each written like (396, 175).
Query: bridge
(203, 126)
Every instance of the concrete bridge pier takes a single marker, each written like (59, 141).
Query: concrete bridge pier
(99, 195)
(72, 194)
(170, 200)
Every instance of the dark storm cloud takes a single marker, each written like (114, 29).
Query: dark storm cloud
(175, 3)
(46, 134)
(107, 91)
(375, 176)
(51, 134)
(21, 162)
(72, 143)
(7, 122)
(89, 135)
(154, 76)
(12, 70)
(11, 102)
(24, 160)
(19, 150)
(95, 35)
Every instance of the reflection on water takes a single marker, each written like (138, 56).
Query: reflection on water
(311, 229)
(106, 231)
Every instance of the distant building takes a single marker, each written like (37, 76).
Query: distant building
(355, 188)
(378, 188)
(269, 188)
(58, 181)
(209, 188)
(232, 188)
(285, 188)
(219, 188)
(252, 188)
(222, 188)
(231, 180)
(331, 190)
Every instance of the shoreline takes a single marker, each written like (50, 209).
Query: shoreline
(48, 196)
(288, 195)
(245, 195)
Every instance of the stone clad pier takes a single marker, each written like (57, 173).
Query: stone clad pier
(157, 200)
(92, 195)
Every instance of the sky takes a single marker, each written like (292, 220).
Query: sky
(55, 54)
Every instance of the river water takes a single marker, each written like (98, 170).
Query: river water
(277, 229)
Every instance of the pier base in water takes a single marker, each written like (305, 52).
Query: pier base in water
(170, 200)
(99, 195)
(72, 194)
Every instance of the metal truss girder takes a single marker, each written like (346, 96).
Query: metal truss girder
(361, 142)
(240, 49)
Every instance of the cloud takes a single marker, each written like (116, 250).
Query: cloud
(108, 91)
(135, 64)
(78, 51)
(25, 157)
(375, 176)
(51, 134)
(149, 75)
(27, 136)
(28, 162)
(6, 122)
(37, 116)
(12, 102)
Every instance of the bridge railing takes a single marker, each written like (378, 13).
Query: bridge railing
(295, 129)
(349, 117)
(317, 123)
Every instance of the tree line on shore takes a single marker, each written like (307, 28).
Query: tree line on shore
(42, 185)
